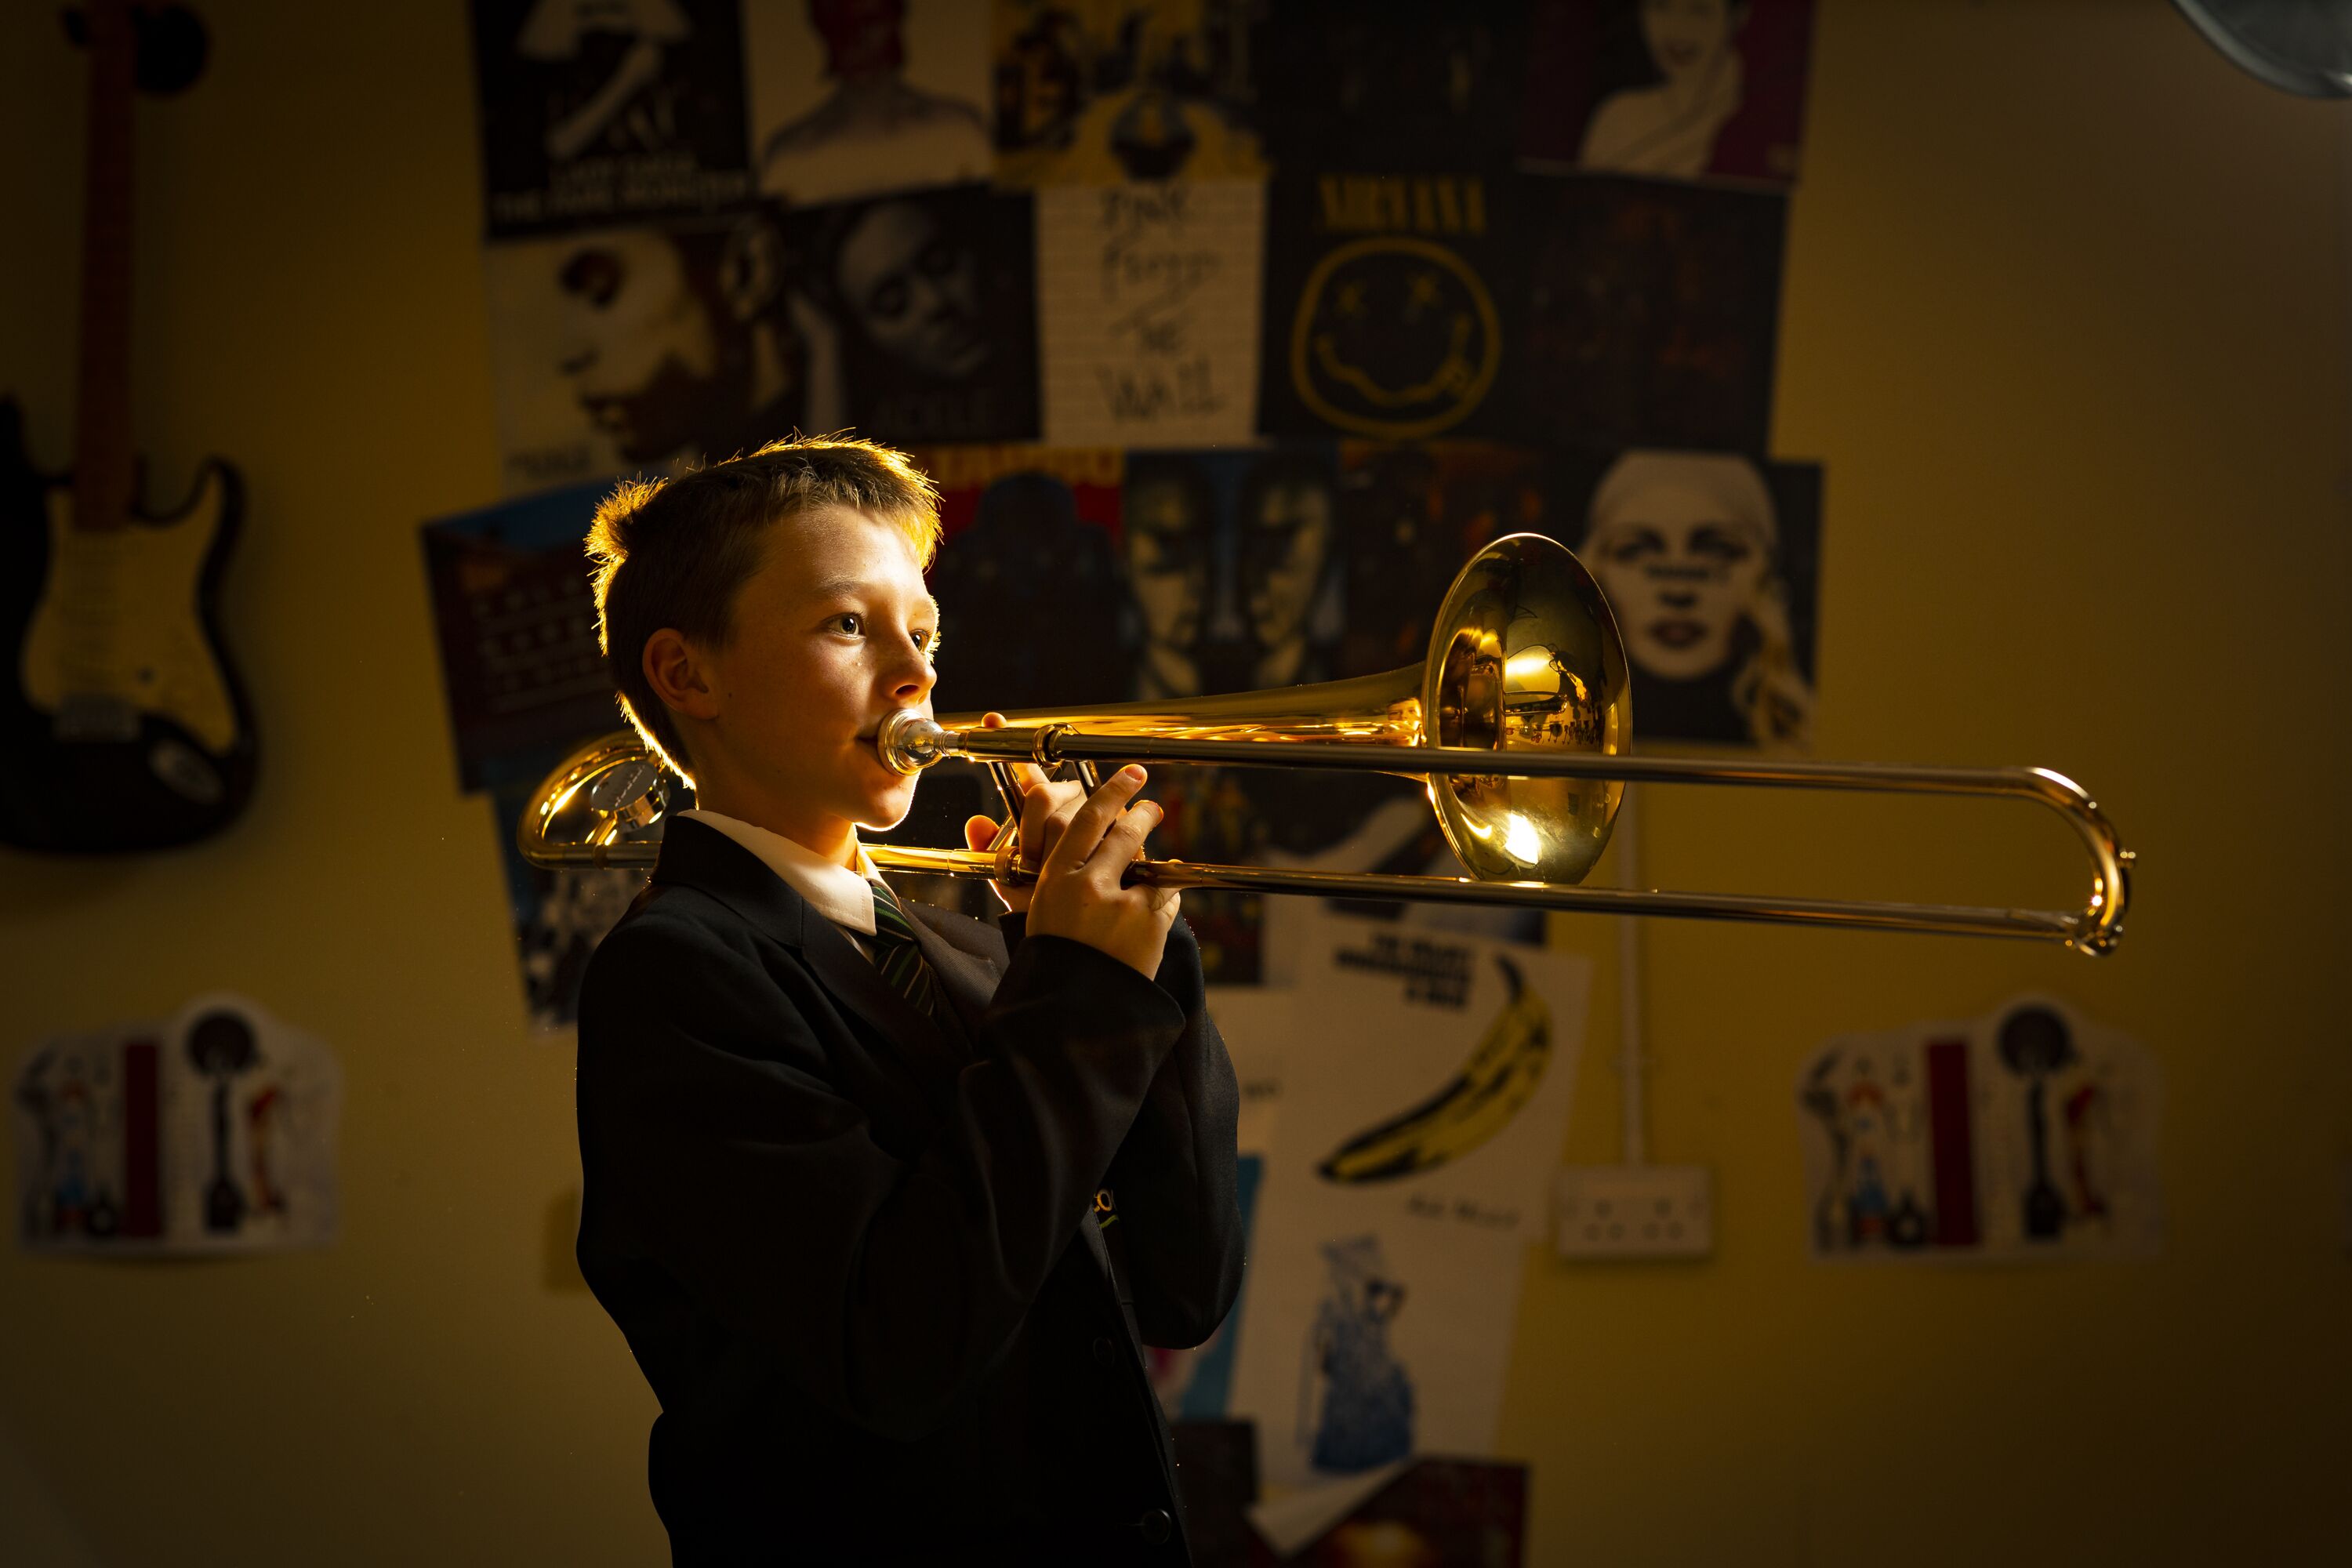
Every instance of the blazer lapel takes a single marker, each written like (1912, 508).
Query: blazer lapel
(967, 957)
(858, 987)
(702, 857)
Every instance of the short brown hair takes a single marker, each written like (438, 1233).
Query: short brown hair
(673, 551)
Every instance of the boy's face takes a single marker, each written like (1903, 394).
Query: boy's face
(832, 634)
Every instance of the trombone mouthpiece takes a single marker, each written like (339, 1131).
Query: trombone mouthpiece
(909, 742)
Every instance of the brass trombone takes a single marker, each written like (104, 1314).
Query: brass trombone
(1517, 724)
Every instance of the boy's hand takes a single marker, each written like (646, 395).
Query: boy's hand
(1047, 808)
(1078, 894)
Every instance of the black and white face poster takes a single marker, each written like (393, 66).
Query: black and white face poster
(927, 301)
(620, 349)
(599, 111)
(1712, 564)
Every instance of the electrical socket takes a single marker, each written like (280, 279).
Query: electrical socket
(1634, 1211)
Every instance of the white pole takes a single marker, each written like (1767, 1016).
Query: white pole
(1632, 1141)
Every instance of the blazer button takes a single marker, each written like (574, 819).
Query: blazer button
(1156, 1526)
(1105, 1352)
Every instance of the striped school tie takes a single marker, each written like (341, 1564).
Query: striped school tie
(897, 956)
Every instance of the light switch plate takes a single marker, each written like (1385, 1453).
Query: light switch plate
(1634, 1211)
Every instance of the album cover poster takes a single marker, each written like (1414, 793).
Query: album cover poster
(214, 1132)
(1422, 1511)
(557, 917)
(1099, 91)
(1410, 1173)
(631, 349)
(1654, 314)
(1351, 85)
(1393, 304)
(2028, 1132)
(927, 300)
(515, 615)
(605, 113)
(1710, 90)
(1032, 606)
(852, 98)
(1712, 564)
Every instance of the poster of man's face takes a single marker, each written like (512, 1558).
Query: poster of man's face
(1711, 563)
(854, 98)
(1673, 88)
(1655, 312)
(629, 348)
(1101, 91)
(602, 111)
(929, 303)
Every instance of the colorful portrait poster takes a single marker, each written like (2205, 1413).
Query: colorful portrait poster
(617, 350)
(2028, 1132)
(608, 112)
(1687, 90)
(526, 683)
(557, 917)
(515, 614)
(211, 1131)
(1426, 1513)
(1654, 314)
(1101, 91)
(1394, 305)
(926, 301)
(1712, 563)
(1351, 85)
(1410, 1173)
(1147, 300)
(856, 98)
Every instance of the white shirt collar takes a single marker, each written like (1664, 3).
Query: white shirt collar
(837, 893)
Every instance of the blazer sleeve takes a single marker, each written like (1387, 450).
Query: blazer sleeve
(1173, 1177)
(716, 1148)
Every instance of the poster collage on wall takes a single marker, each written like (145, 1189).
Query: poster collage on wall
(1229, 330)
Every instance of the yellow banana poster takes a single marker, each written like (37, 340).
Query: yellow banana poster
(1426, 1080)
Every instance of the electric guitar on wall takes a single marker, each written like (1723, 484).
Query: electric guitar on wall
(122, 726)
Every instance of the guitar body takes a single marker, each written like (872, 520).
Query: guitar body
(122, 725)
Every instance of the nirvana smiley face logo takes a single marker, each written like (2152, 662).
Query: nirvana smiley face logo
(1395, 337)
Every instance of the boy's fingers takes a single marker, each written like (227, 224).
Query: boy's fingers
(1124, 841)
(980, 832)
(1085, 833)
(1046, 815)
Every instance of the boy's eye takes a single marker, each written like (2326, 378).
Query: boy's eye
(846, 623)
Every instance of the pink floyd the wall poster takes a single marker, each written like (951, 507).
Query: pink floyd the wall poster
(603, 113)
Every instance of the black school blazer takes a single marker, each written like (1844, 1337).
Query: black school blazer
(852, 1247)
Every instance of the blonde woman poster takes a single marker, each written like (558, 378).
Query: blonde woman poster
(1710, 560)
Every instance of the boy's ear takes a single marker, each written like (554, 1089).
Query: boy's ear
(679, 675)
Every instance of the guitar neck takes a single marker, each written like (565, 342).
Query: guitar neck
(103, 461)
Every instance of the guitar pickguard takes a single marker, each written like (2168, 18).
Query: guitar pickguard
(117, 630)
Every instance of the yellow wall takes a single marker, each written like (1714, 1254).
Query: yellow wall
(2063, 316)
